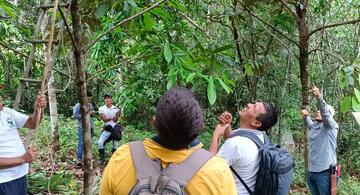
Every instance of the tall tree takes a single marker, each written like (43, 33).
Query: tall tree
(79, 55)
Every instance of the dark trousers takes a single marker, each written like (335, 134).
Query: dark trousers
(14, 187)
(319, 182)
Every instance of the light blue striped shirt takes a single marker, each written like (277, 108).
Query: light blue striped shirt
(322, 150)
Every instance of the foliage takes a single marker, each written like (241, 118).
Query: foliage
(228, 52)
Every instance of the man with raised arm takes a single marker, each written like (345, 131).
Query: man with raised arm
(240, 152)
(322, 145)
(14, 157)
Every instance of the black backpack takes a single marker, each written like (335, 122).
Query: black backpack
(275, 173)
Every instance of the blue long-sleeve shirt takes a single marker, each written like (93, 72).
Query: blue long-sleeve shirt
(77, 115)
(323, 135)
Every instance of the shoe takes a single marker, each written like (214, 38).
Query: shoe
(102, 156)
(78, 163)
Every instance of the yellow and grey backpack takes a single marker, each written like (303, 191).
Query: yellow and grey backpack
(153, 179)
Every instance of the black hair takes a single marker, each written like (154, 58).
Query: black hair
(179, 118)
(107, 96)
(269, 118)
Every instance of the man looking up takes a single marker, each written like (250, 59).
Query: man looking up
(241, 152)
(322, 145)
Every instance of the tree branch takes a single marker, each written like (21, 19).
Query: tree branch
(289, 9)
(116, 65)
(26, 56)
(18, 52)
(333, 25)
(330, 53)
(67, 28)
(268, 24)
(193, 23)
(122, 22)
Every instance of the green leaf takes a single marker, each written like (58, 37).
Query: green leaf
(132, 3)
(167, 52)
(345, 104)
(8, 8)
(357, 94)
(190, 77)
(285, 21)
(161, 13)
(355, 104)
(170, 83)
(227, 88)
(177, 5)
(211, 92)
(101, 10)
(248, 69)
(149, 22)
(223, 48)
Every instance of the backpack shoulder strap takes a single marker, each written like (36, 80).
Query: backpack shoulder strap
(144, 166)
(241, 180)
(251, 136)
(183, 172)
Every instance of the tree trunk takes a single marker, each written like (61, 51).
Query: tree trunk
(7, 73)
(53, 114)
(79, 54)
(303, 62)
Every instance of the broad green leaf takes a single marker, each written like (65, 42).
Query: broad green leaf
(7, 7)
(342, 79)
(101, 10)
(161, 13)
(183, 73)
(357, 94)
(167, 52)
(355, 104)
(228, 80)
(223, 48)
(148, 21)
(345, 104)
(285, 21)
(177, 5)
(227, 88)
(211, 92)
(190, 77)
(132, 3)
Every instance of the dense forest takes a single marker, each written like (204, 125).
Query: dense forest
(228, 52)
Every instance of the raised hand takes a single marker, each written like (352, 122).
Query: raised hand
(225, 118)
(304, 113)
(315, 91)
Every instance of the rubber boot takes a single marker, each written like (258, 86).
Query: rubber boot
(102, 156)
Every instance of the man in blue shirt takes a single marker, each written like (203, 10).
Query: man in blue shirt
(322, 145)
(77, 116)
